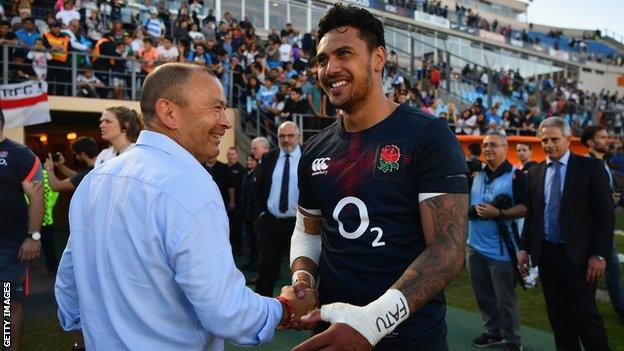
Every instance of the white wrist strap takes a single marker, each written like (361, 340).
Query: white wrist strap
(296, 278)
(373, 321)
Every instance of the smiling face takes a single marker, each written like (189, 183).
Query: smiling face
(202, 122)
(345, 68)
(494, 150)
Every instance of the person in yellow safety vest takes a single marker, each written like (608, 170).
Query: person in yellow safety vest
(47, 227)
(59, 66)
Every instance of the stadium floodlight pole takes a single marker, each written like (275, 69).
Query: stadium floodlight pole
(447, 68)
(218, 10)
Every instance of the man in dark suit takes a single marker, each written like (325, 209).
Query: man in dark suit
(568, 232)
(277, 194)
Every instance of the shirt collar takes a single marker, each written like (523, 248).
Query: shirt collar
(166, 144)
(295, 153)
(563, 160)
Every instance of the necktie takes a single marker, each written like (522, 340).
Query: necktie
(283, 200)
(554, 205)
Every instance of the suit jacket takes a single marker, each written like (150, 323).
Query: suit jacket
(264, 179)
(586, 217)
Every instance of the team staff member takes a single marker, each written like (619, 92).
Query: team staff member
(59, 66)
(568, 231)
(20, 222)
(236, 172)
(382, 205)
(525, 155)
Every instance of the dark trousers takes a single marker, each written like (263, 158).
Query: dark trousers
(235, 230)
(614, 282)
(58, 77)
(570, 302)
(250, 227)
(273, 242)
(47, 245)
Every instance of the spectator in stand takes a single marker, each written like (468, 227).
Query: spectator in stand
(197, 6)
(73, 32)
(494, 120)
(19, 71)
(154, 25)
(68, 13)
(28, 34)
(199, 55)
(266, 94)
(88, 84)
(148, 55)
(117, 30)
(7, 37)
(182, 29)
(295, 104)
(317, 100)
(95, 27)
(195, 34)
(115, 14)
(285, 51)
(183, 49)
(167, 52)
(144, 11)
(39, 58)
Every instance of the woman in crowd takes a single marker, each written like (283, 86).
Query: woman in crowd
(120, 126)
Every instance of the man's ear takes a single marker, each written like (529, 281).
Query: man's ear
(380, 56)
(166, 114)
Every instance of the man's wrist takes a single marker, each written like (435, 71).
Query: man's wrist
(288, 312)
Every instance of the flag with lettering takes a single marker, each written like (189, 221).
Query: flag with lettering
(24, 104)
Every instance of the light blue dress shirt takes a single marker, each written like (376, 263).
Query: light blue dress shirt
(148, 265)
(550, 172)
(276, 185)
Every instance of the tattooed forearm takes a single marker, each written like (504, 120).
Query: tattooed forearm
(444, 221)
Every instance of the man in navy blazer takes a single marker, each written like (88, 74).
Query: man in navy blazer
(568, 232)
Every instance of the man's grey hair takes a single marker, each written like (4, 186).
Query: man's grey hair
(498, 134)
(289, 123)
(556, 122)
(263, 141)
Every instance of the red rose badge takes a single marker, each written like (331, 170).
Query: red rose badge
(390, 156)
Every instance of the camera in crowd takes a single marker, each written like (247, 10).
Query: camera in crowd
(56, 157)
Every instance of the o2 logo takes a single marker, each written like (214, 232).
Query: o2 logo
(364, 221)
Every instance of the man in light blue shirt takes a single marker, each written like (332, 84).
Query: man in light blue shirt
(148, 265)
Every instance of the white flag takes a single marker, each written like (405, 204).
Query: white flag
(24, 104)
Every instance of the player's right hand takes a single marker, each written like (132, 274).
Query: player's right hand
(523, 263)
(302, 290)
(339, 336)
(303, 306)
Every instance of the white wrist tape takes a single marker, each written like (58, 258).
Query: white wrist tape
(296, 277)
(302, 244)
(373, 321)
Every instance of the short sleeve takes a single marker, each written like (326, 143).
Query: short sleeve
(29, 166)
(306, 193)
(440, 161)
(78, 177)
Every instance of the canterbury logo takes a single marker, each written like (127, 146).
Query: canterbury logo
(319, 165)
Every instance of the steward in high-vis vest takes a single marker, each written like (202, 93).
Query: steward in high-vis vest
(101, 65)
(60, 65)
(498, 197)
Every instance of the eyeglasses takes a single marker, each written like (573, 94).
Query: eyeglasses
(491, 145)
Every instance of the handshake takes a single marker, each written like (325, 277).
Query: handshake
(298, 301)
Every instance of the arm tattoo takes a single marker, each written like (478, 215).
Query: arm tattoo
(444, 220)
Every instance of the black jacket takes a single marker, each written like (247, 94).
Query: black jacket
(264, 179)
(586, 217)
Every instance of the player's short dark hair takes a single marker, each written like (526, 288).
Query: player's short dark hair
(130, 121)
(86, 145)
(589, 133)
(370, 28)
(528, 145)
(167, 82)
(475, 149)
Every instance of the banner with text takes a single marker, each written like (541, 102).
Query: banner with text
(24, 104)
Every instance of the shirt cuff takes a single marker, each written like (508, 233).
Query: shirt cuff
(69, 323)
(275, 316)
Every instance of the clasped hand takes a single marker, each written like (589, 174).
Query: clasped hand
(306, 302)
